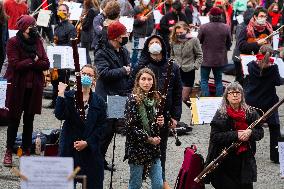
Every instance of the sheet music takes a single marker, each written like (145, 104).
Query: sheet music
(281, 157)
(157, 16)
(204, 109)
(204, 19)
(62, 57)
(46, 172)
(116, 106)
(3, 88)
(12, 33)
(43, 18)
(75, 10)
(275, 41)
(127, 22)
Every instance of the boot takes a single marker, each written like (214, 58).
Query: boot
(166, 185)
(8, 158)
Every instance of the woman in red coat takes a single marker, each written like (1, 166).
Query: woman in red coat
(27, 60)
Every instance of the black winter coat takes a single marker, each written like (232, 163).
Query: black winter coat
(113, 78)
(173, 106)
(240, 168)
(87, 26)
(90, 159)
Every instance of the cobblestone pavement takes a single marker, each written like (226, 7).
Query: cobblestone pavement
(268, 173)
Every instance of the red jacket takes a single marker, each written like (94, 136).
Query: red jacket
(20, 69)
(275, 18)
(14, 11)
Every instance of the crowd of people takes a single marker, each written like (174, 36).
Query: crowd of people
(142, 74)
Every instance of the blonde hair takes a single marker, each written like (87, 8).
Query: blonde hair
(137, 90)
(179, 25)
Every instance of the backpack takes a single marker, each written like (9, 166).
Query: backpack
(192, 165)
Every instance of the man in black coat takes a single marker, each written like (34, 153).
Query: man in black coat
(156, 59)
(113, 65)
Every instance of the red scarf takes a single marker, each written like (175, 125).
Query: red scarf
(239, 117)
(275, 17)
(254, 26)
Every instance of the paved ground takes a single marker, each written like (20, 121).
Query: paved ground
(268, 173)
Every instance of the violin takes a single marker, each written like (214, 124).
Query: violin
(255, 40)
(144, 13)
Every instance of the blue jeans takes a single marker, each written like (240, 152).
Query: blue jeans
(135, 53)
(217, 72)
(155, 175)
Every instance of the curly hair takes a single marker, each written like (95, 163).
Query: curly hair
(179, 25)
(112, 10)
(137, 90)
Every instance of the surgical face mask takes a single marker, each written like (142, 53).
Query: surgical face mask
(155, 48)
(182, 37)
(145, 2)
(86, 81)
(261, 21)
(124, 41)
(62, 15)
(33, 32)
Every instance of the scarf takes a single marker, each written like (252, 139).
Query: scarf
(28, 45)
(146, 110)
(254, 26)
(260, 57)
(239, 117)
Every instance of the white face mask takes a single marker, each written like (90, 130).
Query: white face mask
(261, 21)
(145, 2)
(155, 48)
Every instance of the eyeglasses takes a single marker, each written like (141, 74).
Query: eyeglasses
(88, 74)
(235, 93)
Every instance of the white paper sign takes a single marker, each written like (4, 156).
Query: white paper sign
(12, 33)
(281, 157)
(3, 88)
(204, 19)
(62, 57)
(194, 33)
(43, 17)
(127, 22)
(75, 10)
(248, 58)
(157, 16)
(275, 41)
(204, 109)
(46, 172)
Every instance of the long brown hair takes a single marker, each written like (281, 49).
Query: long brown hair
(88, 4)
(180, 24)
(3, 16)
(137, 90)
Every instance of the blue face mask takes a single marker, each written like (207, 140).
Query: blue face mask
(86, 81)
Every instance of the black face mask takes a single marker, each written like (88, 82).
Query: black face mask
(33, 32)
(182, 37)
(124, 41)
(249, 7)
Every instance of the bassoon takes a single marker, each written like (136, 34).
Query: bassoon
(78, 94)
(216, 162)
(164, 93)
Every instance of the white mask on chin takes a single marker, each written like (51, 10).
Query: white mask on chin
(155, 48)
(261, 21)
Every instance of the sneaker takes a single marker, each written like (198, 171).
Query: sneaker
(8, 158)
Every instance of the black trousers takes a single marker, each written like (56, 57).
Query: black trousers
(239, 72)
(274, 132)
(14, 123)
(107, 136)
(164, 135)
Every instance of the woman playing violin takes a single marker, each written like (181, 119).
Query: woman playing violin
(254, 35)
(143, 27)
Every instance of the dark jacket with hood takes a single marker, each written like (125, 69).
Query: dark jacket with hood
(89, 159)
(260, 90)
(113, 78)
(173, 107)
(223, 134)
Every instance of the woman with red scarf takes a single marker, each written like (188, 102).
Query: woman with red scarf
(229, 125)
(253, 36)
(275, 16)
